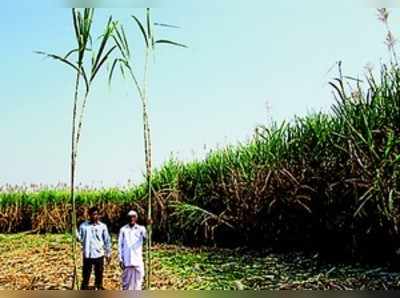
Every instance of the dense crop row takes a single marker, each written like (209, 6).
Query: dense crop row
(325, 181)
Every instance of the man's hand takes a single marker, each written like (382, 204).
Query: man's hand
(121, 265)
(149, 221)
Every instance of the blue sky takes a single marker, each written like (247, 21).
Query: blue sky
(241, 58)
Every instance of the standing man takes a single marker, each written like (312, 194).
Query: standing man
(130, 249)
(96, 244)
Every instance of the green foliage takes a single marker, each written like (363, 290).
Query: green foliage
(325, 181)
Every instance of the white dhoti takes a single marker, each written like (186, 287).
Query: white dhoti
(132, 278)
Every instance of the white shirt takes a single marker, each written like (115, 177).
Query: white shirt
(95, 239)
(130, 245)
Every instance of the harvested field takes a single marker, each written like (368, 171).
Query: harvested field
(44, 262)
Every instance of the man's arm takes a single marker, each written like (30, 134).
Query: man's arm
(79, 234)
(107, 242)
(144, 233)
(121, 248)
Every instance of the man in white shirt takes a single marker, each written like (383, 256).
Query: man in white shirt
(96, 243)
(130, 249)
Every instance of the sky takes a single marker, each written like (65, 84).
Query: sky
(246, 64)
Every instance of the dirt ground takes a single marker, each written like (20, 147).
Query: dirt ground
(44, 262)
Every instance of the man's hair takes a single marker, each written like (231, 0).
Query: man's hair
(93, 210)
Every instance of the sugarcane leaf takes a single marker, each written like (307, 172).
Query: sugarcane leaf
(120, 47)
(148, 21)
(59, 58)
(339, 92)
(123, 46)
(76, 26)
(80, 38)
(166, 25)
(353, 79)
(121, 68)
(102, 61)
(111, 73)
(140, 25)
(88, 25)
(118, 36)
(304, 206)
(165, 41)
(125, 42)
(361, 137)
(103, 44)
(74, 51)
(364, 199)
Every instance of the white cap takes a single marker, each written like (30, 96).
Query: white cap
(132, 213)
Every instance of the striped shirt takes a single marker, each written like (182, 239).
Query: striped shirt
(95, 240)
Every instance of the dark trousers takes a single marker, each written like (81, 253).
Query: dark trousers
(98, 264)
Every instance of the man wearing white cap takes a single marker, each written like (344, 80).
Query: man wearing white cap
(130, 249)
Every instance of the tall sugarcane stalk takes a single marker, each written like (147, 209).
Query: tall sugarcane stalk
(76, 132)
(125, 62)
(148, 157)
(75, 280)
(82, 23)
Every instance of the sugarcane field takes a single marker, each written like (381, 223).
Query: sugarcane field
(200, 147)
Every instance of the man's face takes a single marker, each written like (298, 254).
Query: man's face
(94, 216)
(132, 219)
